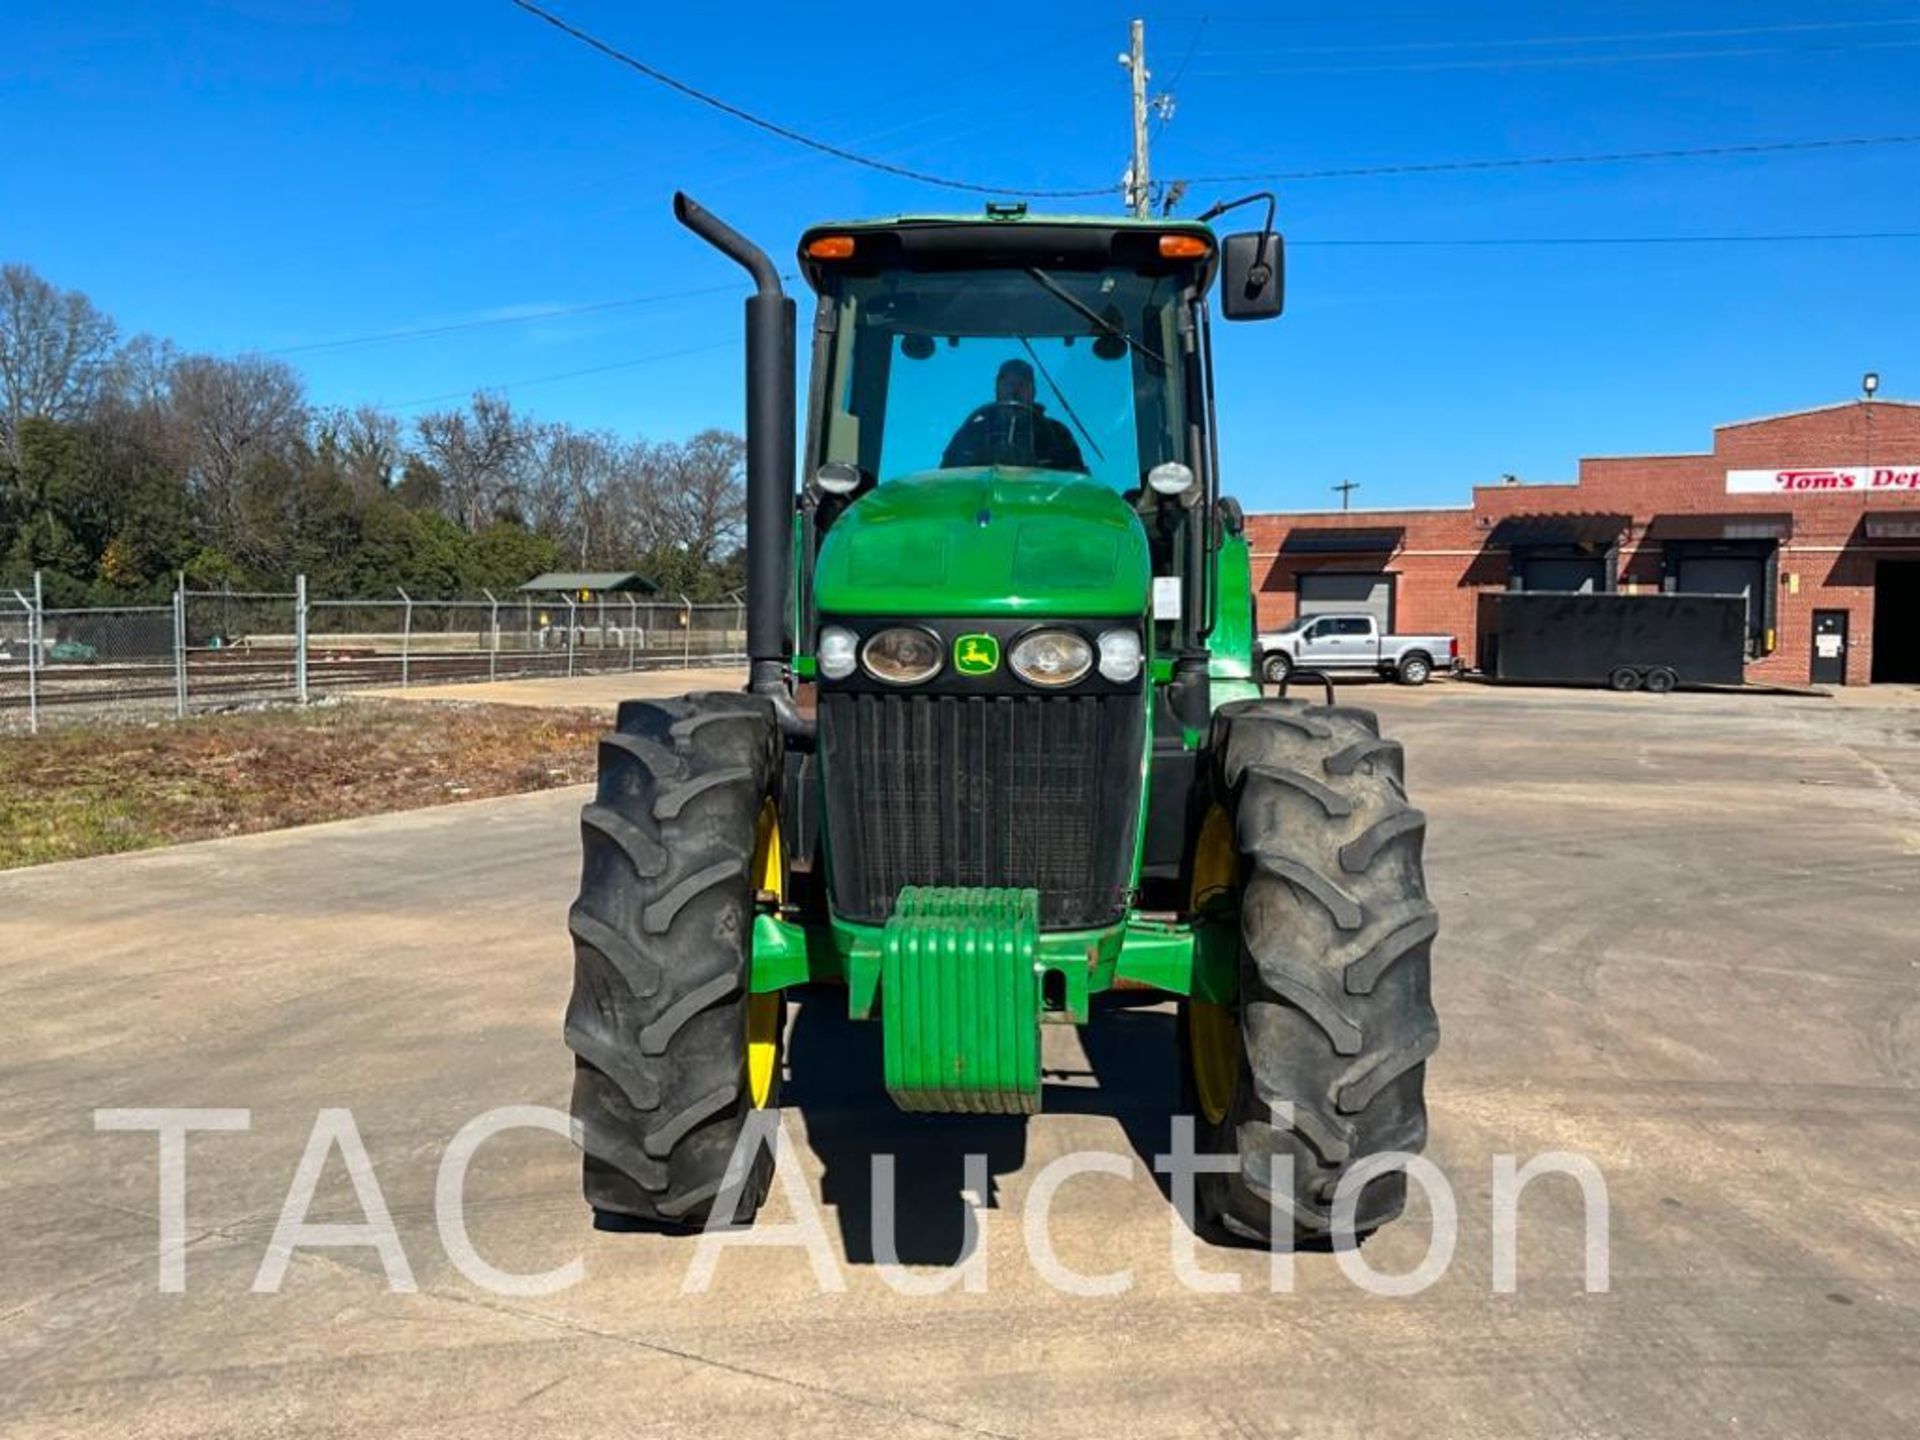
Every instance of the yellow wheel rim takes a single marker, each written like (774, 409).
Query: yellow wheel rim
(1213, 1031)
(769, 877)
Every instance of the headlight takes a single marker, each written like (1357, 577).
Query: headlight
(835, 652)
(1120, 656)
(1051, 658)
(901, 655)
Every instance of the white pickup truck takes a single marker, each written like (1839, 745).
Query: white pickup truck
(1352, 644)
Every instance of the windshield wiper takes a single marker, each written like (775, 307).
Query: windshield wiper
(1061, 396)
(1106, 326)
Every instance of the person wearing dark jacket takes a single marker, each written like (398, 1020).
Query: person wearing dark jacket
(1013, 430)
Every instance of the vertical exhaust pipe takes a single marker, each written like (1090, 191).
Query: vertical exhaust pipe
(770, 420)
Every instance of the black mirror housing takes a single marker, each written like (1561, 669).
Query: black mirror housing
(1253, 275)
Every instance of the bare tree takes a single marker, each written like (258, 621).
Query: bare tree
(366, 444)
(481, 457)
(700, 487)
(225, 418)
(55, 348)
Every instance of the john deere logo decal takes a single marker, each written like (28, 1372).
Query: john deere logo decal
(976, 654)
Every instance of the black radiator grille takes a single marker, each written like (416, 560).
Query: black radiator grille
(1020, 790)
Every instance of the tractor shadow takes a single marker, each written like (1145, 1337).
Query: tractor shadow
(834, 1069)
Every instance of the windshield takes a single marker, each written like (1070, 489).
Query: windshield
(1075, 371)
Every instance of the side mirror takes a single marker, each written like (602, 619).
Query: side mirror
(1253, 275)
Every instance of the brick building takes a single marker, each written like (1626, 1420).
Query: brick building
(1814, 516)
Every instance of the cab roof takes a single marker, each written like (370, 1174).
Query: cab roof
(1005, 235)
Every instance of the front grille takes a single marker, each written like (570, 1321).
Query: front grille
(994, 790)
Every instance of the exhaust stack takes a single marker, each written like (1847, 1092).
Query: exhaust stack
(770, 421)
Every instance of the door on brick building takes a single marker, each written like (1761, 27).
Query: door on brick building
(1896, 622)
(1348, 593)
(1829, 647)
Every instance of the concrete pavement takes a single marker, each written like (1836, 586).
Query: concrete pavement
(1677, 938)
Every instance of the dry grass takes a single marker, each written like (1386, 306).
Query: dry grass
(97, 790)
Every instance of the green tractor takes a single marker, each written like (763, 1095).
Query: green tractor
(1001, 747)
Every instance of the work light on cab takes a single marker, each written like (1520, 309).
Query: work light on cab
(901, 655)
(1051, 658)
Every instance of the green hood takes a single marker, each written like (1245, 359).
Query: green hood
(989, 541)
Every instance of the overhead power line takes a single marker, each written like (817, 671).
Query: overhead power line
(638, 360)
(1520, 162)
(525, 317)
(1087, 192)
(1542, 41)
(1538, 62)
(1784, 238)
(772, 127)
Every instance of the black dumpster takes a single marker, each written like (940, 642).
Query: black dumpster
(1626, 641)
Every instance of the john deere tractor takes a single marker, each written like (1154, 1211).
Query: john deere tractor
(1001, 748)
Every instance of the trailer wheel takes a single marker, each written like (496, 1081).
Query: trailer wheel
(1624, 678)
(1334, 1017)
(1661, 680)
(672, 1051)
(1415, 670)
(1275, 668)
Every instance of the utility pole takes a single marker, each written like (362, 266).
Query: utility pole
(1139, 182)
(1346, 489)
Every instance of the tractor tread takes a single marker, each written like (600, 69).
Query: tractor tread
(1346, 761)
(1404, 939)
(655, 1038)
(662, 929)
(664, 1136)
(1344, 909)
(670, 803)
(1332, 801)
(647, 856)
(1336, 1014)
(660, 914)
(1357, 855)
(641, 975)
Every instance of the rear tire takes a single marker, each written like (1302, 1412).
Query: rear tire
(1661, 680)
(662, 937)
(1275, 668)
(1335, 1014)
(1624, 679)
(1415, 670)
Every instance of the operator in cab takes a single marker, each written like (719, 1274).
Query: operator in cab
(1013, 430)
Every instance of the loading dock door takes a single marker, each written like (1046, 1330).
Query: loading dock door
(1896, 622)
(1568, 576)
(1348, 593)
(1729, 575)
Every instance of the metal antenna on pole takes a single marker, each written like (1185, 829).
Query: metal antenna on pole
(1139, 183)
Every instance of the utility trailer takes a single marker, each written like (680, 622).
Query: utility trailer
(1625, 642)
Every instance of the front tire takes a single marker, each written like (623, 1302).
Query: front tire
(670, 1046)
(1335, 1016)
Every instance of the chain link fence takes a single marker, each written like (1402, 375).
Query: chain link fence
(218, 649)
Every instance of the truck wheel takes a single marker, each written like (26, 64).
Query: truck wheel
(1415, 670)
(1334, 1015)
(1275, 668)
(1661, 680)
(672, 1052)
(1624, 678)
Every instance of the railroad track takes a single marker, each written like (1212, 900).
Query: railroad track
(242, 676)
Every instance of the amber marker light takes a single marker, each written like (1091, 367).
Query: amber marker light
(1183, 247)
(830, 247)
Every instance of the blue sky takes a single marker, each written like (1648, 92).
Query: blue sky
(265, 174)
